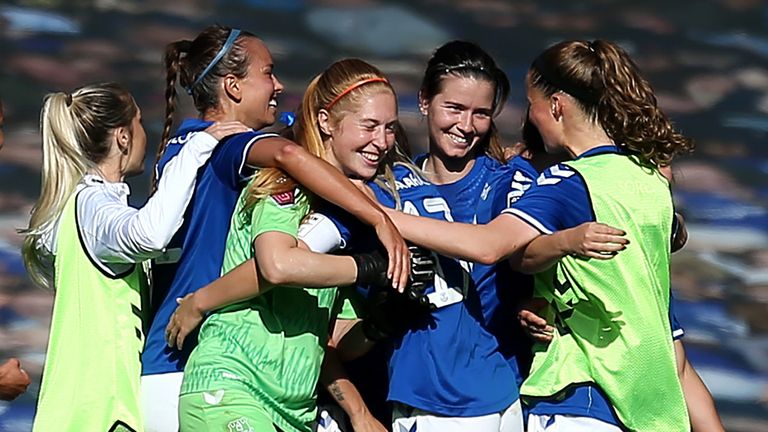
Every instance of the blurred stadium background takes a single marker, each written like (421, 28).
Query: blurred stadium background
(708, 61)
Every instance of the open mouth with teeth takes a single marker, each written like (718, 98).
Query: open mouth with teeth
(460, 140)
(370, 157)
(273, 103)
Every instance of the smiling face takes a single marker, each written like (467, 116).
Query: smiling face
(459, 116)
(260, 87)
(361, 138)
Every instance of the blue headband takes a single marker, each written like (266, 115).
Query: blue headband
(224, 49)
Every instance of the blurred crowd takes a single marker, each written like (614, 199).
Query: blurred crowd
(708, 62)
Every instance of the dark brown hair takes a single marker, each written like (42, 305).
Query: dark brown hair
(609, 89)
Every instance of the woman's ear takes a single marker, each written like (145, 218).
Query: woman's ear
(556, 106)
(232, 88)
(324, 122)
(123, 139)
(423, 104)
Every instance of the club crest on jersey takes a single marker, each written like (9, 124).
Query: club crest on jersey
(286, 198)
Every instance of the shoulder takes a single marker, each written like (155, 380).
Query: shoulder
(559, 174)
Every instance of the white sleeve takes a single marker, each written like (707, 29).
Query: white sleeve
(320, 234)
(114, 232)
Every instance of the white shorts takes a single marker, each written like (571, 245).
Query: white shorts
(566, 423)
(405, 417)
(160, 401)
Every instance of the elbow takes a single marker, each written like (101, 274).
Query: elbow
(488, 256)
(289, 154)
(275, 271)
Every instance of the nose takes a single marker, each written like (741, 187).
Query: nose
(380, 139)
(465, 122)
(278, 85)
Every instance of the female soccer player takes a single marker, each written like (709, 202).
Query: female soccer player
(85, 242)
(611, 316)
(229, 74)
(257, 361)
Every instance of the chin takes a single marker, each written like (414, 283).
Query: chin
(131, 172)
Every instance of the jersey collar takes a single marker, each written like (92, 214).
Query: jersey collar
(192, 125)
(602, 149)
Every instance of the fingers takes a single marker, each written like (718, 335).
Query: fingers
(180, 339)
(400, 266)
(171, 331)
(531, 319)
(220, 130)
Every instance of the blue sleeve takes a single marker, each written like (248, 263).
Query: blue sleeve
(677, 329)
(558, 200)
(229, 159)
(509, 192)
(343, 221)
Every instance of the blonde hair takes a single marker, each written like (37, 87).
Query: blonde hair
(76, 128)
(331, 91)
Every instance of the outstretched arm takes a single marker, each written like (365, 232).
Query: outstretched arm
(486, 244)
(330, 184)
(589, 240)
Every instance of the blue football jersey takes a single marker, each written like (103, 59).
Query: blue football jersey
(195, 254)
(449, 364)
(478, 197)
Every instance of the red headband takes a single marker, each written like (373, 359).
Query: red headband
(354, 86)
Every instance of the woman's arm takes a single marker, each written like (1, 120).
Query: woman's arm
(334, 378)
(485, 244)
(589, 240)
(330, 184)
(285, 262)
(117, 233)
(698, 400)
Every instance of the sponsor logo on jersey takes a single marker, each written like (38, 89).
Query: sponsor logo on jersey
(240, 425)
(409, 181)
(285, 198)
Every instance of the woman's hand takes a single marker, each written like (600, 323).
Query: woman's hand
(220, 130)
(366, 422)
(534, 325)
(595, 240)
(399, 257)
(184, 320)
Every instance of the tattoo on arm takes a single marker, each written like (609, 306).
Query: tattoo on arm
(336, 392)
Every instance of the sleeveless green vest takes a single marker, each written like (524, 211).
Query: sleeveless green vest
(612, 317)
(93, 367)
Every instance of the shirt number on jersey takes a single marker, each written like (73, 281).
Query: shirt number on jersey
(444, 294)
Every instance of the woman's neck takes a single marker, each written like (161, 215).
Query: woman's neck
(579, 140)
(110, 170)
(441, 169)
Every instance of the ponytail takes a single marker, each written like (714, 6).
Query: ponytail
(76, 129)
(609, 89)
(172, 60)
(629, 112)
